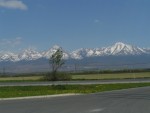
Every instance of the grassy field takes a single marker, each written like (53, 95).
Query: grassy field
(111, 76)
(23, 78)
(24, 91)
(83, 77)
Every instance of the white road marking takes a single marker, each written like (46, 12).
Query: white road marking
(96, 110)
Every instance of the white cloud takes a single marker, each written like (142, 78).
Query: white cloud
(13, 4)
(17, 41)
(96, 21)
(11, 43)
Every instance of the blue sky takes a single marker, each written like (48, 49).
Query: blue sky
(73, 24)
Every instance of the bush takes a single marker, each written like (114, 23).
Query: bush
(60, 76)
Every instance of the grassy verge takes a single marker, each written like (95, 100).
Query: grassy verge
(23, 91)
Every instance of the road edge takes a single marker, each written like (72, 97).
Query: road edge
(40, 97)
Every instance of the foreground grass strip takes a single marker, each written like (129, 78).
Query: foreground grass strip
(24, 91)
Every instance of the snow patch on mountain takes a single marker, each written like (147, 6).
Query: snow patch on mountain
(123, 49)
(29, 54)
(51, 51)
(81, 53)
(117, 49)
(9, 56)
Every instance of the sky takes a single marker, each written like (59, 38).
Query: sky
(73, 24)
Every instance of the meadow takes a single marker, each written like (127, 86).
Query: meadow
(111, 76)
(82, 77)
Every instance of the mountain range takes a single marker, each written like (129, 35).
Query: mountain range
(115, 57)
(118, 49)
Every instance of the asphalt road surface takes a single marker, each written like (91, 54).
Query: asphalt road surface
(136, 100)
(74, 82)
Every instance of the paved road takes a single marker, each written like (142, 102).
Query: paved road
(124, 101)
(73, 82)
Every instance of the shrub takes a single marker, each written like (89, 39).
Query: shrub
(60, 76)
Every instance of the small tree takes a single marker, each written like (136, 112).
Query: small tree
(56, 62)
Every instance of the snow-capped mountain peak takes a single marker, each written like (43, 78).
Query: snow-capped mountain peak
(121, 44)
(48, 54)
(29, 54)
(81, 53)
(118, 48)
(8, 56)
(123, 49)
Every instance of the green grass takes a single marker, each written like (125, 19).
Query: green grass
(81, 77)
(21, 78)
(111, 76)
(23, 91)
